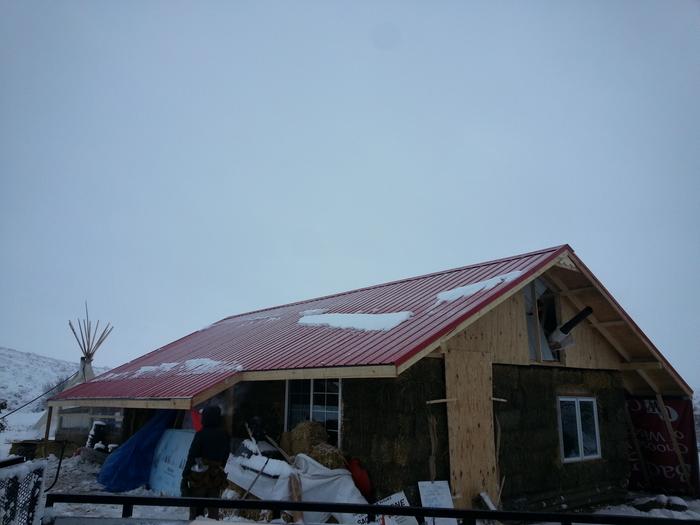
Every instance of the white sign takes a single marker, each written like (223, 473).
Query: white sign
(436, 494)
(169, 461)
(395, 500)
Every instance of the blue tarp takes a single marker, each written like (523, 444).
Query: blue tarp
(129, 466)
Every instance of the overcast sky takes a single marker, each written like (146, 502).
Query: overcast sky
(178, 162)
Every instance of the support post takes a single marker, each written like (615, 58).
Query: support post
(48, 423)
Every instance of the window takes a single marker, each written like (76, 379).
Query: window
(579, 434)
(315, 400)
(541, 311)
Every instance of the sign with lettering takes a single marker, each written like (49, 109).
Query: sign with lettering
(656, 446)
(436, 494)
(395, 500)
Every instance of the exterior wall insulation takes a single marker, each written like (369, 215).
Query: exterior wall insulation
(529, 452)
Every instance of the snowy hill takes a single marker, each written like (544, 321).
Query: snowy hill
(23, 375)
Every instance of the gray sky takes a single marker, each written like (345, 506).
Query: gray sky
(177, 162)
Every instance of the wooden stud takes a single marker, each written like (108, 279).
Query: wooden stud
(536, 321)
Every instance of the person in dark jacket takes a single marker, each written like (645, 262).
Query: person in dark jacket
(203, 475)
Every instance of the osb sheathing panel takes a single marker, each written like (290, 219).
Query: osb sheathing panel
(590, 349)
(468, 380)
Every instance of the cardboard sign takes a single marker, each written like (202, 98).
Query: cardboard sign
(169, 461)
(436, 494)
(395, 500)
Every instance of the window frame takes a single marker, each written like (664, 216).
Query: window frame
(311, 405)
(581, 457)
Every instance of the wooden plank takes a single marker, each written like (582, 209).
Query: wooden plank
(468, 378)
(48, 423)
(536, 322)
(174, 403)
(216, 389)
(342, 372)
(607, 324)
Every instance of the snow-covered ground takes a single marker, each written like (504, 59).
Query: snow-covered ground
(23, 375)
(693, 512)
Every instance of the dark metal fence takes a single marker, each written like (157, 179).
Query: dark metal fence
(467, 517)
(20, 491)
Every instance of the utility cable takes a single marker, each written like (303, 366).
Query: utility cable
(40, 395)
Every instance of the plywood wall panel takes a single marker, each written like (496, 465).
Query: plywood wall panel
(468, 378)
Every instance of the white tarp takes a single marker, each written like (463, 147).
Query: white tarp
(318, 483)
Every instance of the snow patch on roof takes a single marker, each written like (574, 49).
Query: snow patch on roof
(366, 322)
(317, 311)
(471, 289)
(186, 368)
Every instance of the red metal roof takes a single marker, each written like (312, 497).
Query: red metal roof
(273, 339)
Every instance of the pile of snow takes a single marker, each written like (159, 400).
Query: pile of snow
(365, 322)
(471, 289)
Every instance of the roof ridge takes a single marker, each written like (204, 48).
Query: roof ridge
(404, 280)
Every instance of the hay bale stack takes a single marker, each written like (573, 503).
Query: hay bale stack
(327, 455)
(305, 436)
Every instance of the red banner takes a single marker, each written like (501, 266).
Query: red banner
(659, 457)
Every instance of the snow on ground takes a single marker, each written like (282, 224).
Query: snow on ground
(693, 512)
(80, 476)
(366, 322)
(23, 375)
(19, 426)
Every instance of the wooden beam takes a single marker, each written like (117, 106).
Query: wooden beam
(616, 322)
(48, 423)
(576, 291)
(342, 372)
(641, 365)
(173, 403)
